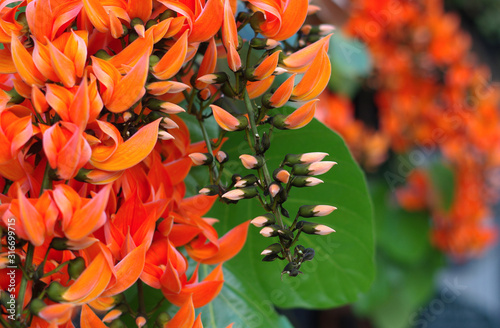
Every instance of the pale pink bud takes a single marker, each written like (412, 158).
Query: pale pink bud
(171, 108)
(274, 189)
(235, 194)
(323, 230)
(321, 167)
(168, 123)
(163, 135)
(312, 157)
(250, 162)
(199, 158)
(312, 181)
(127, 116)
(322, 210)
(268, 232)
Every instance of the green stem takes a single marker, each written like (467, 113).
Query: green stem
(256, 137)
(47, 180)
(4, 322)
(59, 267)
(214, 174)
(24, 282)
(140, 292)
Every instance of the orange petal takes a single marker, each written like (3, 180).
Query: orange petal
(208, 63)
(31, 220)
(267, 67)
(230, 244)
(233, 58)
(6, 63)
(300, 61)
(131, 54)
(257, 88)
(128, 270)
(229, 31)
(57, 313)
(208, 22)
(225, 120)
(315, 79)
(88, 319)
(88, 218)
(292, 18)
(281, 96)
(91, 282)
(172, 61)
(24, 64)
(140, 8)
(96, 14)
(63, 66)
(184, 318)
(301, 116)
(131, 87)
(132, 151)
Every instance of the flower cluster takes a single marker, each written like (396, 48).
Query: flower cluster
(432, 97)
(93, 156)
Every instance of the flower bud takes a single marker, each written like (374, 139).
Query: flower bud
(164, 135)
(140, 321)
(37, 305)
(272, 249)
(270, 231)
(210, 190)
(291, 269)
(317, 168)
(264, 220)
(281, 175)
(138, 26)
(304, 181)
(204, 94)
(227, 121)
(314, 228)
(221, 156)
(292, 159)
(163, 318)
(201, 158)
(309, 211)
(251, 162)
(242, 193)
(260, 43)
(213, 78)
(168, 123)
(55, 291)
(274, 189)
(59, 244)
(75, 267)
(248, 180)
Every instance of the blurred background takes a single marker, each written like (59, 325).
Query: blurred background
(413, 92)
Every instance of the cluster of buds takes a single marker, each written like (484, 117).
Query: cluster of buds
(273, 194)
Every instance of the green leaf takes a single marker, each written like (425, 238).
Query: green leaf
(343, 267)
(241, 304)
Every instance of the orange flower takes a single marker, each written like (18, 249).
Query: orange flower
(66, 149)
(230, 38)
(282, 18)
(298, 119)
(172, 61)
(314, 80)
(203, 18)
(64, 59)
(120, 93)
(15, 131)
(80, 216)
(116, 155)
(227, 121)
